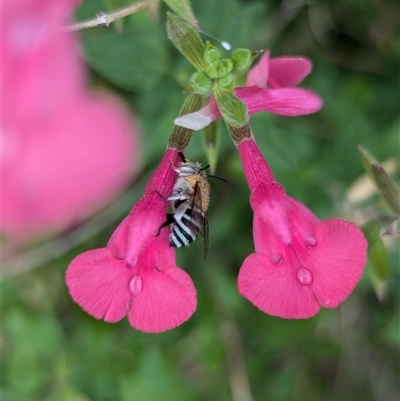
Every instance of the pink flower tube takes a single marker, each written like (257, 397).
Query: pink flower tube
(136, 274)
(65, 152)
(300, 263)
(270, 87)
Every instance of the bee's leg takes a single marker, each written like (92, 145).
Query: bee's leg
(178, 196)
(182, 157)
(170, 220)
(176, 169)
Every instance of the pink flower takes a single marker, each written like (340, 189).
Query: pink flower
(270, 87)
(136, 274)
(65, 152)
(300, 263)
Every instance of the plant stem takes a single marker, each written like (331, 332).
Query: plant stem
(106, 19)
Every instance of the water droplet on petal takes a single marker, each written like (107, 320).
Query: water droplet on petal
(276, 259)
(327, 302)
(304, 277)
(311, 241)
(135, 285)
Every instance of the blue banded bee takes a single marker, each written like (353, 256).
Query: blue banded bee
(190, 199)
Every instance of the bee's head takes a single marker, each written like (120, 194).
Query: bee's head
(188, 168)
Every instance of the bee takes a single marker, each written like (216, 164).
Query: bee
(189, 199)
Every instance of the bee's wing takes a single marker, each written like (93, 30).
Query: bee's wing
(197, 201)
(205, 236)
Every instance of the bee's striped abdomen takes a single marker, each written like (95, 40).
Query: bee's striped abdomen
(187, 228)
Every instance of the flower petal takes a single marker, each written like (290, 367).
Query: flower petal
(168, 299)
(274, 288)
(145, 220)
(266, 240)
(99, 284)
(284, 101)
(164, 177)
(69, 167)
(200, 118)
(149, 213)
(118, 241)
(255, 167)
(258, 75)
(302, 221)
(337, 260)
(288, 71)
(166, 296)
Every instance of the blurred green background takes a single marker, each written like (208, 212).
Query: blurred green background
(229, 350)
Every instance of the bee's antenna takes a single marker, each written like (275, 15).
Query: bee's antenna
(218, 177)
(214, 176)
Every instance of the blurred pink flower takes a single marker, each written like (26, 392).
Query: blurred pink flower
(136, 275)
(300, 263)
(65, 152)
(270, 87)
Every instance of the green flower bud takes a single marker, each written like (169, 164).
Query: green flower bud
(212, 54)
(200, 83)
(242, 59)
(227, 67)
(227, 82)
(212, 70)
(219, 69)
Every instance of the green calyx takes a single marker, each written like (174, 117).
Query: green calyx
(180, 136)
(184, 10)
(187, 40)
(233, 110)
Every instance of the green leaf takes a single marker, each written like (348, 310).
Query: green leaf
(367, 161)
(378, 259)
(377, 253)
(124, 60)
(386, 187)
(384, 183)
